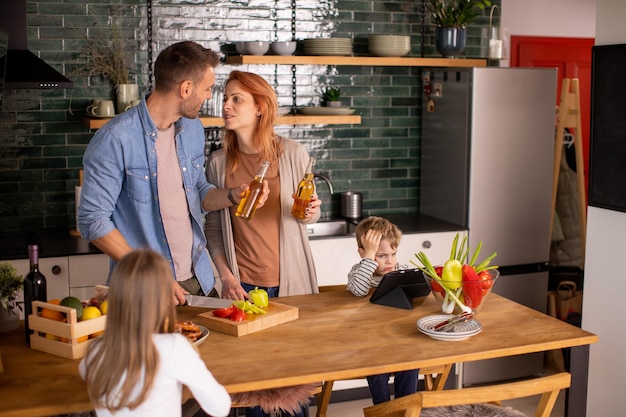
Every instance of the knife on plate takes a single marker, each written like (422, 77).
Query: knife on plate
(207, 302)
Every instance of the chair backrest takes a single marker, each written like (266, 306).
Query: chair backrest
(412, 405)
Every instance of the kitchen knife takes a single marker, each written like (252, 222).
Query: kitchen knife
(208, 302)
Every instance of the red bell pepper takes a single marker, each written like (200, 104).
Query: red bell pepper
(472, 287)
(223, 312)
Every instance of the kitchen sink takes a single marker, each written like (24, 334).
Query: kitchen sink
(330, 228)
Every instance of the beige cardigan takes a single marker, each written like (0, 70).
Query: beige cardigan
(297, 268)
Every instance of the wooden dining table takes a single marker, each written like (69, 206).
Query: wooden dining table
(336, 336)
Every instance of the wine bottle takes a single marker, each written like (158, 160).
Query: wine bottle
(34, 287)
(248, 204)
(305, 190)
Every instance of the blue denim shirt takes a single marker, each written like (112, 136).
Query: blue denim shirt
(120, 186)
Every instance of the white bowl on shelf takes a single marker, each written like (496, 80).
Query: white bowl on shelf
(241, 48)
(284, 48)
(389, 45)
(257, 47)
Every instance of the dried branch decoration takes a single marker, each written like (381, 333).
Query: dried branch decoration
(105, 57)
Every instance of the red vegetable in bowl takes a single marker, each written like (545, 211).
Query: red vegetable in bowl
(485, 279)
(472, 287)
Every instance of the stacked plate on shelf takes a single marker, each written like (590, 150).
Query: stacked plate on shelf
(328, 46)
(460, 331)
(389, 45)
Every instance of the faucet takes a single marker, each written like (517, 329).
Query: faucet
(325, 178)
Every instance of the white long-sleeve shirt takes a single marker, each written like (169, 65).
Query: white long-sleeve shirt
(361, 277)
(180, 365)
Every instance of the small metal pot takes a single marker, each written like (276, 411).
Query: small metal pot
(351, 205)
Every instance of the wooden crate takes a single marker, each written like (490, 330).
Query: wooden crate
(69, 340)
(277, 313)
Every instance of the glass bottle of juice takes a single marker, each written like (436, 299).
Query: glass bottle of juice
(248, 204)
(305, 190)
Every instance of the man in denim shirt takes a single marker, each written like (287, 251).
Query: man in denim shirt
(144, 183)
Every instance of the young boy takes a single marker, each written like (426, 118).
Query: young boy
(378, 239)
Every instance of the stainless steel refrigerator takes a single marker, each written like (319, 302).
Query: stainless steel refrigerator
(487, 148)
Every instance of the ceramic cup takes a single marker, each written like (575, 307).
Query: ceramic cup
(133, 103)
(104, 108)
(92, 106)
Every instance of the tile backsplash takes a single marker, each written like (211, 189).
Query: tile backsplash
(42, 136)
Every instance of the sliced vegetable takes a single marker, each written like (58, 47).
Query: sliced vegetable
(238, 315)
(223, 312)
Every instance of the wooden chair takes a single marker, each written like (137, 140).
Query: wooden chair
(435, 377)
(412, 405)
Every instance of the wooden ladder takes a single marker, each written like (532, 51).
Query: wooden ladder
(569, 117)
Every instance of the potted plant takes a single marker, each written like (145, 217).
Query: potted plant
(107, 57)
(330, 96)
(10, 284)
(451, 18)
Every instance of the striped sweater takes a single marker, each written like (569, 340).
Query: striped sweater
(361, 277)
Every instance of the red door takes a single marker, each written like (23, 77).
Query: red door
(572, 58)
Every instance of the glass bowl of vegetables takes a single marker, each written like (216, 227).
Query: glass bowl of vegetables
(468, 295)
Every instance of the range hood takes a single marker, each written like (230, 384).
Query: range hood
(23, 69)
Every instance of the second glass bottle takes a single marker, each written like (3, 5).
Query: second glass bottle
(305, 190)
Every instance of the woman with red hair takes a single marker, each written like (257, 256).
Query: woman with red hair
(270, 251)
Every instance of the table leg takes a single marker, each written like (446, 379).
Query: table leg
(577, 363)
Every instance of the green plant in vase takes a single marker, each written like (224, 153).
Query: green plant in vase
(452, 18)
(10, 284)
(331, 96)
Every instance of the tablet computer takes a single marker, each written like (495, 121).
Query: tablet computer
(400, 288)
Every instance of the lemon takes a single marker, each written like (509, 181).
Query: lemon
(91, 312)
(104, 306)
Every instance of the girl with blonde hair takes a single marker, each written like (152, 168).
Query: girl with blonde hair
(139, 365)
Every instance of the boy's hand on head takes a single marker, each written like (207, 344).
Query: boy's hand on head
(370, 241)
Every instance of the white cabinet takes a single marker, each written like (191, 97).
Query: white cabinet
(436, 246)
(333, 259)
(85, 272)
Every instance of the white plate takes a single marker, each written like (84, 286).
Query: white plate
(449, 337)
(283, 111)
(321, 111)
(461, 331)
(203, 335)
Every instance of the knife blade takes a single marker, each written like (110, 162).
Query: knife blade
(208, 302)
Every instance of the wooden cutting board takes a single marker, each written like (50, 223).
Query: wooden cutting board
(277, 313)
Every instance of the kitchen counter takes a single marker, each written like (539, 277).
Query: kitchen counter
(59, 242)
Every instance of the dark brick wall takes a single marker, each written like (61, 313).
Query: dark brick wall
(42, 137)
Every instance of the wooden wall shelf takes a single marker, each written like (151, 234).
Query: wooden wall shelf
(93, 123)
(356, 60)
